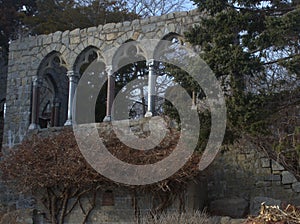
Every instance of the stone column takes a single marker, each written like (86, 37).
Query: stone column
(110, 93)
(35, 104)
(73, 81)
(55, 113)
(151, 88)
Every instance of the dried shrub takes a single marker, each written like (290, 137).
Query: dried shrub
(171, 218)
(54, 167)
(275, 215)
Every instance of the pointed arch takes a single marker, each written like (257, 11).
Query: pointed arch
(52, 90)
(85, 58)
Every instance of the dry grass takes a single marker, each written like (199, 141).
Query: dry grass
(183, 218)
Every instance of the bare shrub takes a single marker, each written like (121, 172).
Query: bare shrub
(196, 217)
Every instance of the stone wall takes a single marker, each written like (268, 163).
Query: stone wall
(3, 80)
(3, 75)
(235, 184)
(122, 210)
(27, 54)
(242, 176)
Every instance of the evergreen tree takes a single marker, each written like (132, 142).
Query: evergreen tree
(254, 49)
(242, 39)
(11, 14)
(54, 15)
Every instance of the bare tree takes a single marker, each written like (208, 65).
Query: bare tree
(147, 8)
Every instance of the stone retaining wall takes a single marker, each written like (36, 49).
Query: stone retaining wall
(122, 210)
(242, 176)
(235, 184)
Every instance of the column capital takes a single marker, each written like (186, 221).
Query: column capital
(150, 62)
(70, 73)
(37, 81)
(73, 76)
(109, 70)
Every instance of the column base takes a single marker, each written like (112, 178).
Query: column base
(194, 107)
(33, 126)
(107, 118)
(149, 114)
(68, 123)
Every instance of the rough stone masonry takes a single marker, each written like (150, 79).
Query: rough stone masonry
(57, 59)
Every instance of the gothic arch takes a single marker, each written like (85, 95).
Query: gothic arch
(51, 92)
(129, 52)
(81, 65)
(172, 38)
(129, 65)
(49, 50)
(86, 57)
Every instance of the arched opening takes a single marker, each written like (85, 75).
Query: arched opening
(169, 56)
(131, 71)
(52, 96)
(82, 63)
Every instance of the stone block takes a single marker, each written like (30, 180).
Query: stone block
(287, 186)
(126, 23)
(171, 15)
(145, 21)
(109, 26)
(65, 40)
(111, 36)
(265, 162)
(135, 22)
(135, 35)
(75, 32)
(233, 207)
(75, 40)
(66, 33)
(83, 33)
(171, 27)
(296, 187)
(193, 12)
(154, 19)
(57, 36)
(276, 166)
(288, 178)
(261, 184)
(181, 14)
(47, 39)
(92, 29)
(225, 220)
(256, 203)
(272, 178)
(148, 28)
(100, 27)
